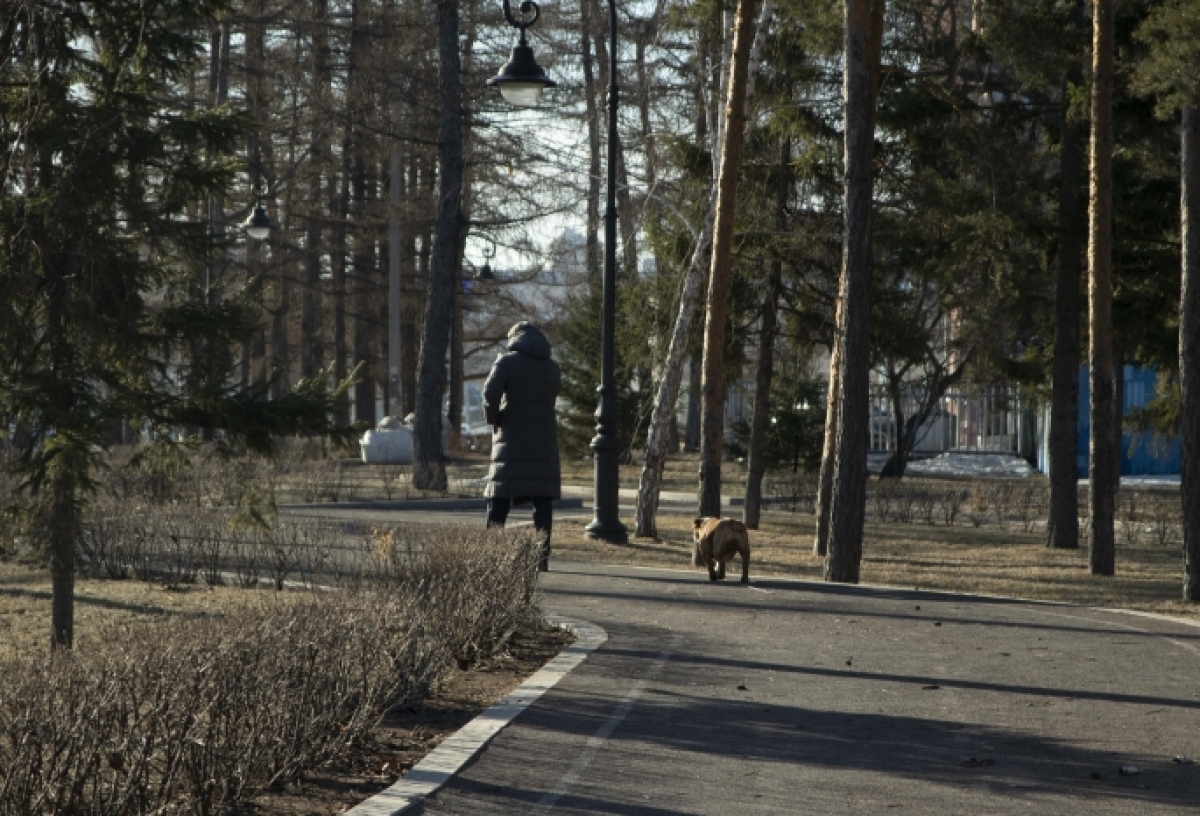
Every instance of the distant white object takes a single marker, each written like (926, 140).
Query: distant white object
(389, 423)
(387, 446)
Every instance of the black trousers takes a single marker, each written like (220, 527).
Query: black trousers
(543, 513)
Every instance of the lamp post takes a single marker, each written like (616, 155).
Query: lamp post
(521, 81)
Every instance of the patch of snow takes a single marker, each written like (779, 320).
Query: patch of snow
(980, 465)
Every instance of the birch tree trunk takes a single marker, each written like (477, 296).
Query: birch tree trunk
(668, 386)
(1189, 353)
(848, 497)
(672, 372)
(429, 468)
(712, 388)
(1103, 459)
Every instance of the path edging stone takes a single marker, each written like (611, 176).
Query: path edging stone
(442, 763)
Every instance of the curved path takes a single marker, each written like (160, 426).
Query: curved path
(794, 697)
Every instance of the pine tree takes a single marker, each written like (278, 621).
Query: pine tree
(103, 320)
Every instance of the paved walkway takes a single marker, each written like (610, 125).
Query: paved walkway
(792, 697)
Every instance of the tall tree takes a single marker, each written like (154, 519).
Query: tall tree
(756, 462)
(1062, 523)
(1104, 460)
(1173, 32)
(863, 22)
(712, 411)
(429, 468)
(868, 27)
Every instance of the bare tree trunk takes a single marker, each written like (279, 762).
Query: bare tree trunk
(429, 468)
(340, 208)
(823, 505)
(592, 239)
(1189, 354)
(364, 286)
(1062, 527)
(691, 438)
(312, 349)
(828, 450)
(1103, 453)
(848, 498)
(756, 464)
(712, 415)
(668, 386)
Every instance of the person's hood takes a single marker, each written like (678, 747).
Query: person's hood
(528, 339)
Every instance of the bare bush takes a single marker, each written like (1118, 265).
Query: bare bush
(795, 492)
(952, 504)
(391, 477)
(1166, 520)
(198, 716)
(1128, 511)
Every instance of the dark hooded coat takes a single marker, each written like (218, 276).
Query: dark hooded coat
(518, 400)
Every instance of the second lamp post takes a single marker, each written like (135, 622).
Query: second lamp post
(521, 81)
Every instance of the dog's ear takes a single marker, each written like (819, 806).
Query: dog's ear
(698, 523)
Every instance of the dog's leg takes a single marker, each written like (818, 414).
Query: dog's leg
(721, 570)
(712, 573)
(746, 566)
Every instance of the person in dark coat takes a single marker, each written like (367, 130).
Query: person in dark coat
(518, 400)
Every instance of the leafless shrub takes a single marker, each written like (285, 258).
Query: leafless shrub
(391, 477)
(952, 504)
(321, 481)
(927, 505)
(1030, 504)
(197, 716)
(1165, 521)
(1128, 512)
(794, 492)
(883, 497)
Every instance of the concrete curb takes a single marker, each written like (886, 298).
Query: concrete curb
(441, 764)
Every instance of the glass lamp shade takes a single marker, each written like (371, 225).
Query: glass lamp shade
(522, 94)
(258, 226)
(521, 80)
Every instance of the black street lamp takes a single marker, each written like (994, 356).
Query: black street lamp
(521, 80)
(523, 73)
(258, 224)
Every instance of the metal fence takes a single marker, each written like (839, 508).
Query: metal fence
(993, 420)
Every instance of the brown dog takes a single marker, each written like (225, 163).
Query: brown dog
(718, 541)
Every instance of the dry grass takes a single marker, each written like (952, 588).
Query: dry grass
(680, 472)
(102, 604)
(961, 558)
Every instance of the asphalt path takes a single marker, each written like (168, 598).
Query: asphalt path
(800, 697)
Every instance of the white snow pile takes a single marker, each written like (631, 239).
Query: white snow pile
(1003, 465)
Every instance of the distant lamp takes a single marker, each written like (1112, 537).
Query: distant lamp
(521, 80)
(258, 225)
(485, 272)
